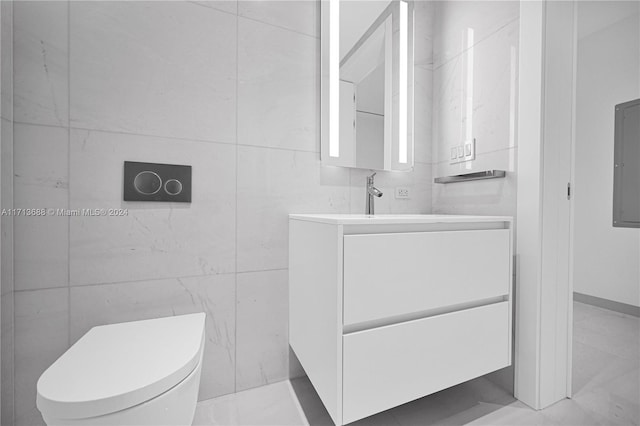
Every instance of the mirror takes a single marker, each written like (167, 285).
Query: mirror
(367, 84)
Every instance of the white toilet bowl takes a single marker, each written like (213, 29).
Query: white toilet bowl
(134, 373)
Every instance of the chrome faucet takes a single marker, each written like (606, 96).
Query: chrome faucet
(371, 192)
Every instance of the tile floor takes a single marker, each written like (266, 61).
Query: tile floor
(606, 386)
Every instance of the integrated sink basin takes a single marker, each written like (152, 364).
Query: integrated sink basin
(397, 219)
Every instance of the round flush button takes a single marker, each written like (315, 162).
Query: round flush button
(147, 182)
(173, 187)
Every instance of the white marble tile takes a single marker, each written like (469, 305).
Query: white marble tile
(7, 358)
(230, 6)
(582, 311)
(423, 112)
(278, 87)
(40, 161)
(41, 252)
(606, 369)
(570, 412)
(41, 84)
(621, 343)
(214, 295)
(155, 240)
(516, 414)
(6, 201)
(312, 407)
(604, 321)
(156, 68)
(302, 16)
(41, 336)
(41, 182)
(604, 406)
(272, 184)
(6, 60)
(274, 405)
(589, 366)
(316, 414)
(493, 97)
(262, 328)
(423, 33)
(610, 399)
(453, 18)
(486, 197)
(418, 181)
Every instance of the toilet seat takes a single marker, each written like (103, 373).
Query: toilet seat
(118, 366)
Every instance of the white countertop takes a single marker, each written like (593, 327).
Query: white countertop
(396, 219)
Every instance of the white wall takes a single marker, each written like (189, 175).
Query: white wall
(492, 94)
(607, 259)
(6, 202)
(231, 88)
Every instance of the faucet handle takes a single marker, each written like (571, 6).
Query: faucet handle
(370, 179)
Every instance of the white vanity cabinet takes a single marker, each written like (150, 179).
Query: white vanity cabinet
(390, 308)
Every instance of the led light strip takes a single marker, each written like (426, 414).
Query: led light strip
(334, 78)
(402, 98)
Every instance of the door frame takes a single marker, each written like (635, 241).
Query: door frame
(546, 122)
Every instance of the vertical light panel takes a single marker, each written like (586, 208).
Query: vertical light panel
(334, 78)
(402, 97)
(469, 100)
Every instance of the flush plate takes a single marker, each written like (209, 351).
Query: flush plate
(156, 182)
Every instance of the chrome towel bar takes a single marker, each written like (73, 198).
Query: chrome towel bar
(487, 174)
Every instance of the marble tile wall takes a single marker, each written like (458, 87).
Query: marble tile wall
(6, 222)
(493, 97)
(231, 88)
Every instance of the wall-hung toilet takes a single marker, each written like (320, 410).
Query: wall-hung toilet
(135, 373)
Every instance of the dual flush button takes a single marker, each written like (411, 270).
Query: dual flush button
(149, 183)
(156, 182)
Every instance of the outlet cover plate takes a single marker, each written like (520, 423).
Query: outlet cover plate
(402, 192)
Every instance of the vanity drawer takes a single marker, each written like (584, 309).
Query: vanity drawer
(390, 275)
(392, 365)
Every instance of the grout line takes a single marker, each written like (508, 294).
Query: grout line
(239, 15)
(120, 132)
(235, 286)
(195, 3)
(278, 26)
(261, 270)
(53, 126)
(69, 172)
(477, 155)
(13, 236)
(440, 65)
(170, 138)
(425, 67)
(136, 281)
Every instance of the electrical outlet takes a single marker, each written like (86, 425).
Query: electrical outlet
(402, 192)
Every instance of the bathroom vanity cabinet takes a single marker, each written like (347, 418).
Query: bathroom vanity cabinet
(390, 308)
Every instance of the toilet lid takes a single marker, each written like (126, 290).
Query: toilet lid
(117, 366)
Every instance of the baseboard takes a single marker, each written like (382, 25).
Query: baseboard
(623, 308)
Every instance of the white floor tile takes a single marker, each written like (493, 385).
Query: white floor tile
(606, 391)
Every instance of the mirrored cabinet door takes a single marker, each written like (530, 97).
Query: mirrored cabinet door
(367, 84)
